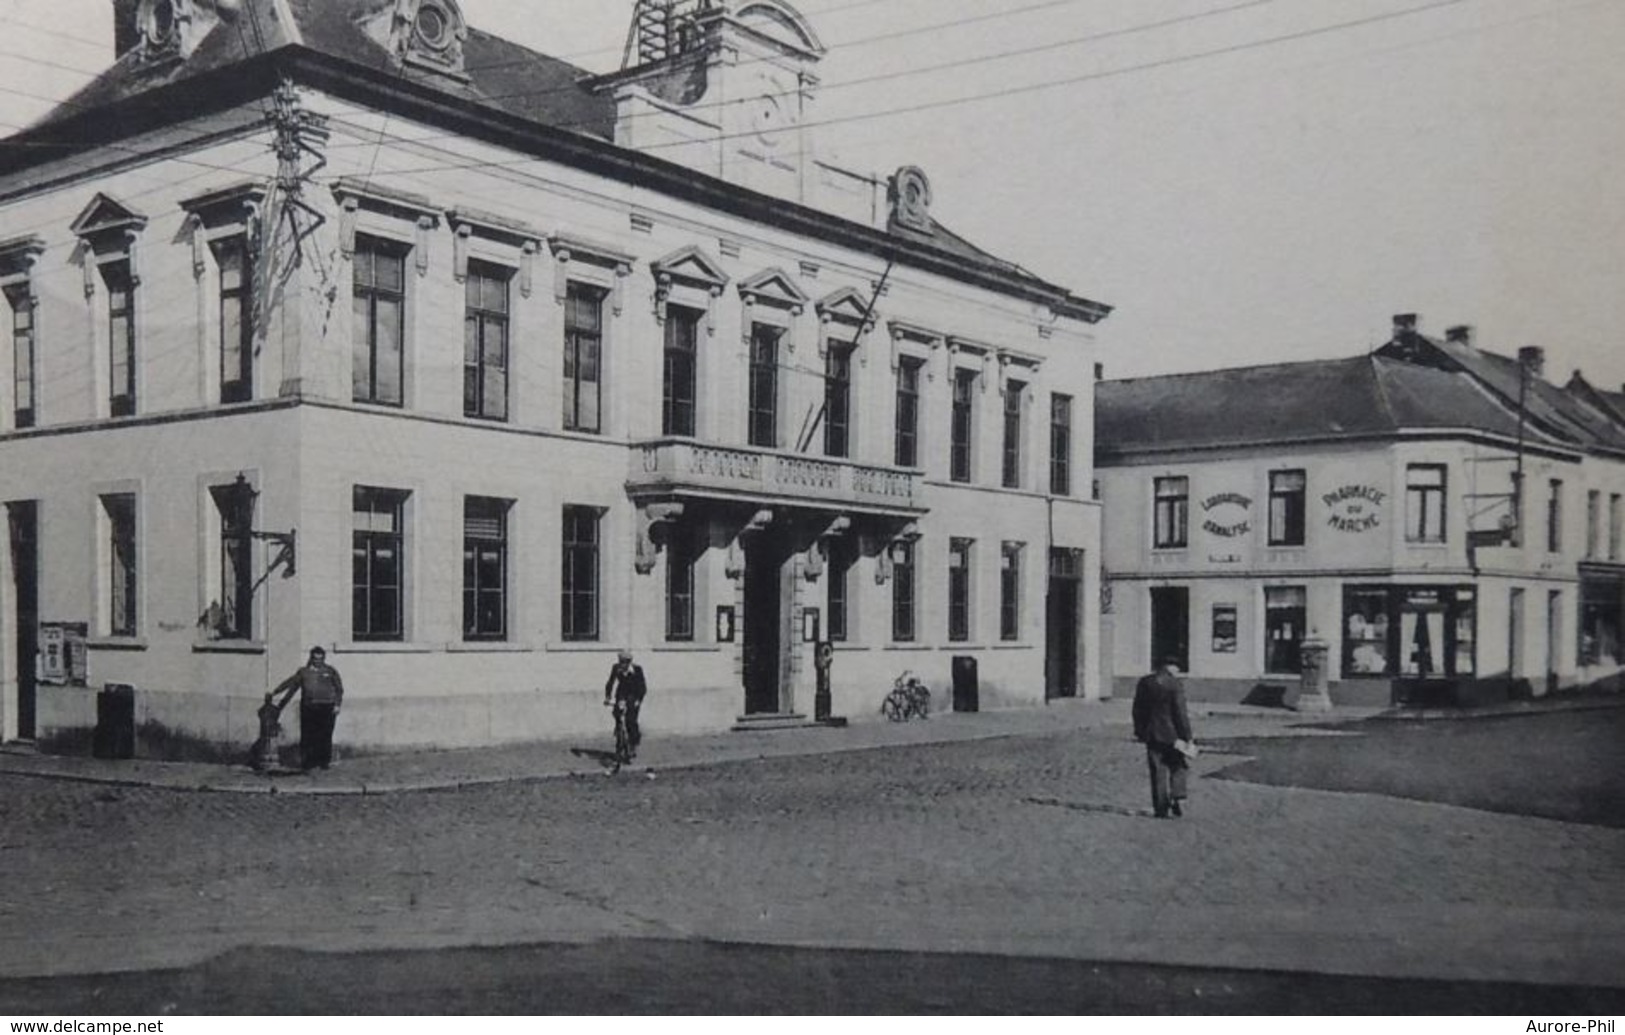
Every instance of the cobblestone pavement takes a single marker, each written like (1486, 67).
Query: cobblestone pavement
(1032, 846)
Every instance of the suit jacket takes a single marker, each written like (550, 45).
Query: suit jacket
(1159, 710)
(626, 686)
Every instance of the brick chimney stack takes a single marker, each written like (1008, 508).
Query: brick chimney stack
(1461, 334)
(1404, 324)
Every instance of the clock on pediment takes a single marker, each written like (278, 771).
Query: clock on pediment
(769, 106)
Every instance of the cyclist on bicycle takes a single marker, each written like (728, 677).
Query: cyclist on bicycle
(625, 690)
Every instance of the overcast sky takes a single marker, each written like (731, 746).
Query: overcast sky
(1238, 200)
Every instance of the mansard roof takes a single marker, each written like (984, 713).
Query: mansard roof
(499, 92)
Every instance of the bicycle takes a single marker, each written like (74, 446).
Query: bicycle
(623, 738)
(908, 697)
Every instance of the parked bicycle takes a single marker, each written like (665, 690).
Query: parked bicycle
(908, 697)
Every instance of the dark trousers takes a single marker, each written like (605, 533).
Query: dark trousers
(316, 735)
(1168, 776)
(634, 735)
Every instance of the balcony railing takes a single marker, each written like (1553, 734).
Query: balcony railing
(683, 467)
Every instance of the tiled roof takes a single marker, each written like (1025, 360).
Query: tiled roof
(1359, 397)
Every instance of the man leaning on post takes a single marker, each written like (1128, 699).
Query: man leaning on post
(321, 694)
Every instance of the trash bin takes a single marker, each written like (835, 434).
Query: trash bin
(115, 722)
(967, 695)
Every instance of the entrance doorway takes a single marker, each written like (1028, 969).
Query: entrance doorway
(1515, 635)
(22, 520)
(1170, 626)
(763, 624)
(1062, 622)
(1554, 630)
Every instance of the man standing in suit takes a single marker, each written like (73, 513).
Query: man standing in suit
(1160, 722)
(321, 695)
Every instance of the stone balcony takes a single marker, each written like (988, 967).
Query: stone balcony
(675, 467)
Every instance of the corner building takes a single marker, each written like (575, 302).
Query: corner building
(345, 322)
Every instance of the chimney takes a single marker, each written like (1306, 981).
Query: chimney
(1404, 324)
(1461, 334)
(1100, 371)
(125, 34)
(1533, 359)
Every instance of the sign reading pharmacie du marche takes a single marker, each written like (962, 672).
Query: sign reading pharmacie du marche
(1233, 519)
(1354, 508)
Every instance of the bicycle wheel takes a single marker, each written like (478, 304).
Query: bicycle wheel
(922, 702)
(623, 745)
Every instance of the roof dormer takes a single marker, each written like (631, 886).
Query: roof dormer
(427, 34)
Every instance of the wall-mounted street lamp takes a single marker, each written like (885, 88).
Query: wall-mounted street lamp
(239, 498)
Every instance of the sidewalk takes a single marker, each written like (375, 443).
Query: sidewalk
(585, 756)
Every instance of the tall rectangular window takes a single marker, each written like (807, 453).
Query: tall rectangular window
(1060, 445)
(1013, 392)
(842, 555)
(236, 320)
(1010, 591)
(1616, 525)
(680, 554)
(1593, 522)
(902, 591)
(1425, 503)
(1285, 614)
(21, 302)
(764, 385)
(959, 579)
(485, 568)
(838, 400)
(120, 337)
(579, 591)
(1172, 512)
(907, 438)
(1554, 517)
(232, 610)
(583, 358)
(962, 425)
(485, 341)
(121, 564)
(378, 347)
(378, 564)
(1287, 507)
(681, 381)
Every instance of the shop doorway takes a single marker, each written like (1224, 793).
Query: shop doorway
(1170, 626)
(1063, 622)
(22, 520)
(1554, 631)
(763, 624)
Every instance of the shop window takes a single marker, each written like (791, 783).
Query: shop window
(1365, 632)
(583, 358)
(378, 564)
(1425, 503)
(485, 567)
(378, 348)
(1287, 509)
(580, 567)
(485, 341)
(1285, 614)
(907, 439)
(1602, 624)
(1172, 512)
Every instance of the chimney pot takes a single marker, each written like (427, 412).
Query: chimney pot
(1533, 359)
(1100, 371)
(1404, 323)
(1461, 334)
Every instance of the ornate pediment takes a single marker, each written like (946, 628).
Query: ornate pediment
(19, 254)
(845, 306)
(106, 215)
(773, 287)
(429, 34)
(690, 265)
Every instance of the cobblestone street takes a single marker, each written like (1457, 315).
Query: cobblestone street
(1028, 846)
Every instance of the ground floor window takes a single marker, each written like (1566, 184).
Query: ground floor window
(1602, 621)
(1414, 632)
(1286, 610)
